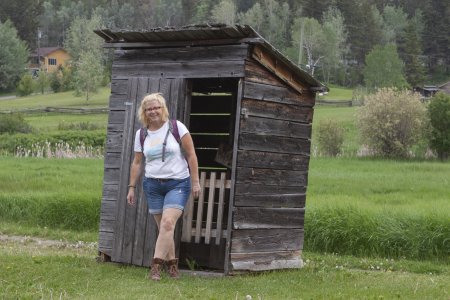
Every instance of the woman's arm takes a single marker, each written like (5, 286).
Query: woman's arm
(191, 157)
(135, 173)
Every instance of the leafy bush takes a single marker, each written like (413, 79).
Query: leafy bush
(26, 85)
(14, 123)
(61, 80)
(330, 137)
(439, 114)
(391, 122)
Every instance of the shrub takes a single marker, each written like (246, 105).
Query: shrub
(391, 122)
(439, 114)
(25, 86)
(43, 81)
(330, 137)
(14, 123)
(55, 82)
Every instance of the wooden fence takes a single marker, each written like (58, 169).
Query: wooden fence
(334, 102)
(66, 110)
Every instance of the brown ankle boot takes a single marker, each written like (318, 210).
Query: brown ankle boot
(155, 271)
(173, 268)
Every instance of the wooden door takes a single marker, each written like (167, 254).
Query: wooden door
(135, 230)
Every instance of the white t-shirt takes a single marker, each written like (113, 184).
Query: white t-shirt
(175, 165)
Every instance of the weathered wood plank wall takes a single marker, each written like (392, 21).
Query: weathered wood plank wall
(272, 173)
(125, 232)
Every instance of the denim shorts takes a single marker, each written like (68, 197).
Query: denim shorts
(162, 194)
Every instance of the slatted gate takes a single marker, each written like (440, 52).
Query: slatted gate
(197, 226)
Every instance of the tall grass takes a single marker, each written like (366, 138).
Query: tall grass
(57, 193)
(379, 208)
(354, 206)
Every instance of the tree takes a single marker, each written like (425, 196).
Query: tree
(391, 122)
(395, 22)
(335, 46)
(81, 38)
(224, 12)
(436, 41)
(13, 56)
(439, 114)
(307, 33)
(384, 68)
(24, 15)
(89, 74)
(43, 81)
(25, 86)
(412, 57)
(253, 17)
(271, 19)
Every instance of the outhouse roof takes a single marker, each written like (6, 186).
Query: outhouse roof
(197, 35)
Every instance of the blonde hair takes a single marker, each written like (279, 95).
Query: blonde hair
(149, 98)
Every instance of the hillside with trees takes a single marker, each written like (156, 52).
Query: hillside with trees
(335, 40)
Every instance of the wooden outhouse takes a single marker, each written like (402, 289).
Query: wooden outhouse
(249, 110)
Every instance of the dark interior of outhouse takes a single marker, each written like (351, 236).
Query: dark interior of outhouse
(211, 123)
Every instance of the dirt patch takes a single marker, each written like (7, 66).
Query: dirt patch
(44, 243)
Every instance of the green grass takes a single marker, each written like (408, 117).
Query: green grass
(49, 122)
(346, 117)
(354, 206)
(65, 99)
(31, 271)
(53, 193)
(377, 207)
(338, 93)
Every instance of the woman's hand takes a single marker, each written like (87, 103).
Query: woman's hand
(131, 198)
(195, 190)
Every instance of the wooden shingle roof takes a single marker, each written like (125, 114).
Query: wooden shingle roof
(199, 35)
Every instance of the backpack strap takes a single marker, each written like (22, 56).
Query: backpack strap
(142, 135)
(173, 127)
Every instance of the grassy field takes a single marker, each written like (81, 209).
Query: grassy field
(65, 99)
(346, 118)
(386, 223)
(51, 121)
(31, 270)
(337, 93)
(355, 206)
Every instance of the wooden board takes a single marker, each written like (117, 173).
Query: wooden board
(260, 142)
(269, 218)
(266, 126)
(278, 111)
(192, 69)
(277, 200)
(266, 240)
(273, 93)
(263, 261)
(259, 159)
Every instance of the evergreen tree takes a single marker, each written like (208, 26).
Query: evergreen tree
(24, 15)
(411, 55)
(436, 38)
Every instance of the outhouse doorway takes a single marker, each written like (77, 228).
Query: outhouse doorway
(212, 119)
(208, 108)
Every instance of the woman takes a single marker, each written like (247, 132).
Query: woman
(171, 173)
